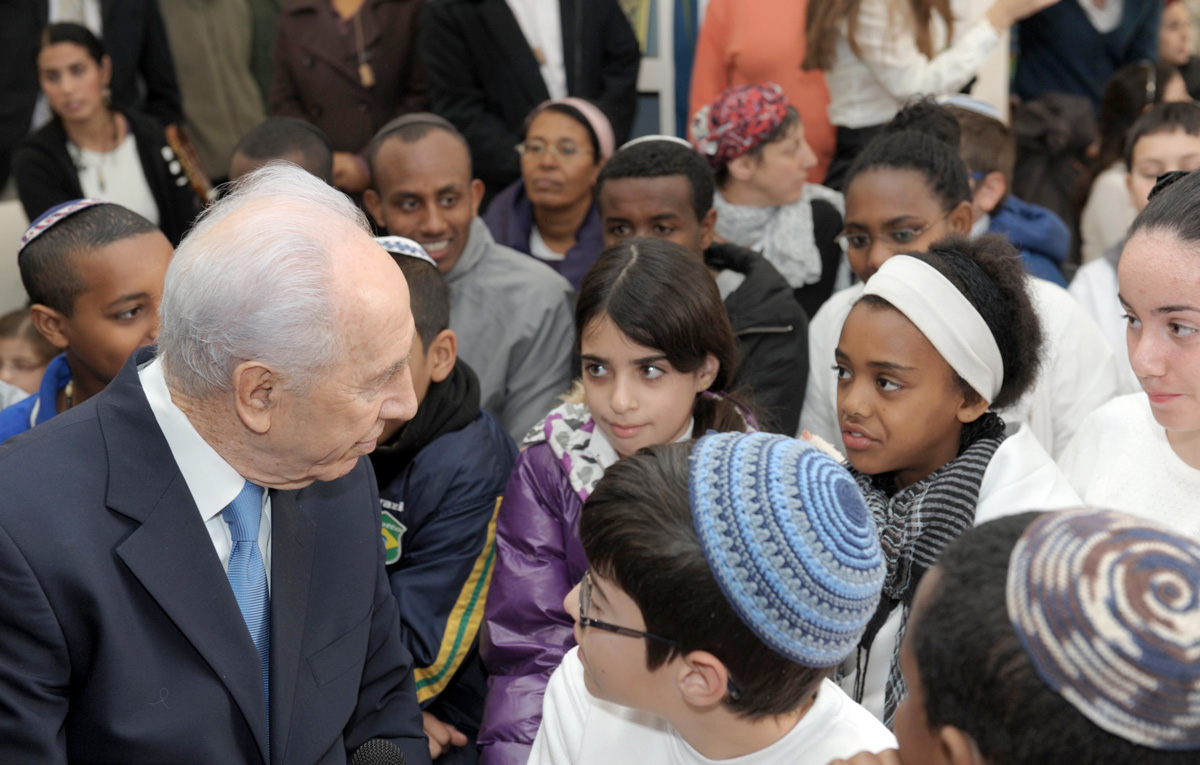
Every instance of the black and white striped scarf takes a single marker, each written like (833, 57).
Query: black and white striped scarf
(915, 524)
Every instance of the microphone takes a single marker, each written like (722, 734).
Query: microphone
(378, 751)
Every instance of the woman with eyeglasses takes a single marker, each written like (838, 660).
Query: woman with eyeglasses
(549, 211)
(906, 191)
(1107, 212)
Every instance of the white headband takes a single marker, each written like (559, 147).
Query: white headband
(945, 317)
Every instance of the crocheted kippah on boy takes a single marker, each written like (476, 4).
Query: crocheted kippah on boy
(789, 540)
(1108, 608)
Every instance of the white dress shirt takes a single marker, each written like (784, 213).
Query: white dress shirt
(541, 24)
(212, 481)
(870, 90)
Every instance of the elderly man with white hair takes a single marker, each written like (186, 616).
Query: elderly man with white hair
(191, 562)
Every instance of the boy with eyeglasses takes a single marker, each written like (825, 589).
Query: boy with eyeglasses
(728, 579)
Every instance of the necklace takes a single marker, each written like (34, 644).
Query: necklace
(102, 157)
(365, 73)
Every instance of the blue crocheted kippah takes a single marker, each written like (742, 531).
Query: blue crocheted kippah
(790, 541)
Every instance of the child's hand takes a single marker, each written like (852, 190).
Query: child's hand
(441, 735)
(823, 445)
(886, 757)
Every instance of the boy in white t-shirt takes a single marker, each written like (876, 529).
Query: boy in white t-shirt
(727, 580)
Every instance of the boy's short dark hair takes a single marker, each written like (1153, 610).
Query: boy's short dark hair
(1165, 118)
(278, 137)
(987, 145)
(791, 118)
(637, 531)
(658, 159)
(428, 296)
(977, 676)
(47, 263)
(411, 128)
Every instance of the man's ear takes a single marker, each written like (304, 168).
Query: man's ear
(256, 395)
(708, 226)
(374, 206)
(958, 748)
(442, 354)
(990, 191)
(50, 323)
(477, 189)
(702, 680)
(961, 218)
(707, 372)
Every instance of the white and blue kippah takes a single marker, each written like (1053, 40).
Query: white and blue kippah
(399, 245)
(790, 540)
(54, 215)
(1107, 606)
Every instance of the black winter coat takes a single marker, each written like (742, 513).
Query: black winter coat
(483, 77)
(772, 334)
(47, 176)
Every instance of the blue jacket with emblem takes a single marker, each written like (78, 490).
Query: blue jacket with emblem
(441, 479)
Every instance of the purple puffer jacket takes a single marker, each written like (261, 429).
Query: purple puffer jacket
(539, 560)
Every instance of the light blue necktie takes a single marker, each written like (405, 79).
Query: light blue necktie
(248, 576)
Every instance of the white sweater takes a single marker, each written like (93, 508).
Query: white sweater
(1121, 459)
(1078, 375)
(1095, 287)
(870, 90)
(579, 729)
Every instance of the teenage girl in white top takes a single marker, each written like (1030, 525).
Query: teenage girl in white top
(1141, 453)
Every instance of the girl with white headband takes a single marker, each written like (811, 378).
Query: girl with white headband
(907, 190)
(1141, 453)
(936, 342)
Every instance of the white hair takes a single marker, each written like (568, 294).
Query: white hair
(259, 287)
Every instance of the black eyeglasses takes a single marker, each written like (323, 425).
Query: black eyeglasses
(585, 605)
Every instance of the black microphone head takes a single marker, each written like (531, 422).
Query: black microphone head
(378, 751)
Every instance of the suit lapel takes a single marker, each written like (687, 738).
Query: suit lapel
(170, 553)
(292, 544)
(498, 19)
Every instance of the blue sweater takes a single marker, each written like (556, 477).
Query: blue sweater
(1060, 50)
(1040, 235)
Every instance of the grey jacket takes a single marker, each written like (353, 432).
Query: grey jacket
(515, 326)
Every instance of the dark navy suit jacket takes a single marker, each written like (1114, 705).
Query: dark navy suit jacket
(121, 640)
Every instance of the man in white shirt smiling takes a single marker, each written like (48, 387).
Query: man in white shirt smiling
(216, 590)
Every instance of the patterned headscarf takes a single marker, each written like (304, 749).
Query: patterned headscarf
(1108, 608)
(740, 119)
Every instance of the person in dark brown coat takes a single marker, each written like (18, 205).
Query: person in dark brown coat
(348, 66)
